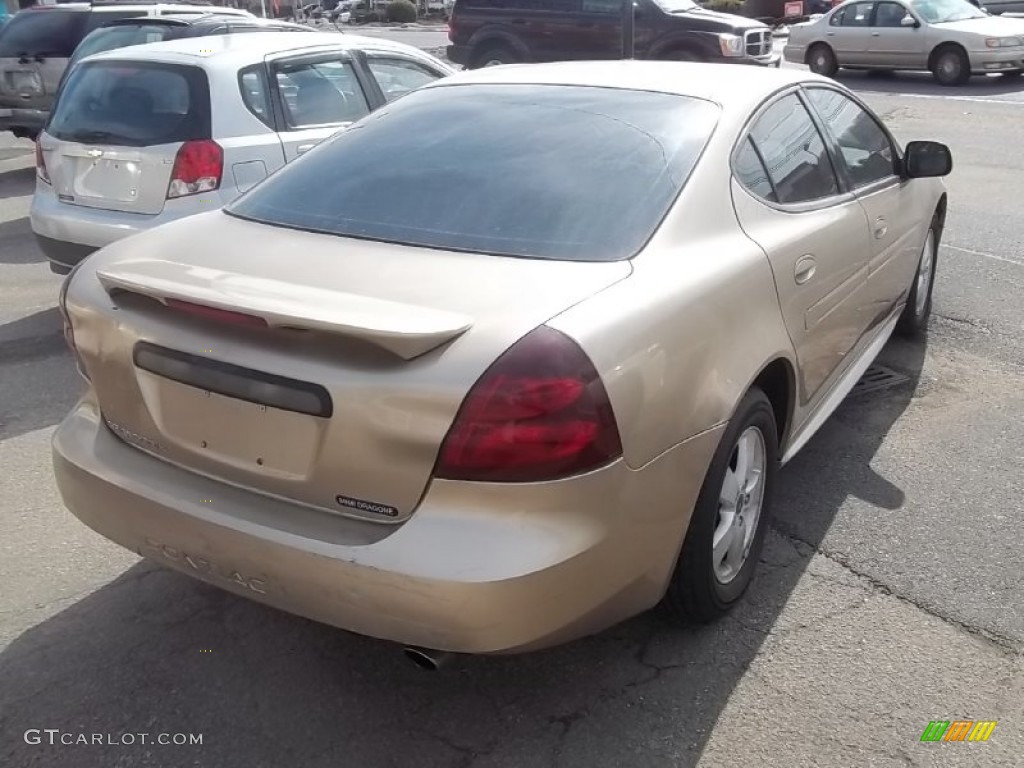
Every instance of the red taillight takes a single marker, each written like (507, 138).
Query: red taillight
(41, 171)
(198, 167)
(216, 314)
(540, 412)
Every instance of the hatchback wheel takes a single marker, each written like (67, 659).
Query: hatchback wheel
(822, 61)
(723, 544)
(951, 67)
(914, 320)
(496, 56)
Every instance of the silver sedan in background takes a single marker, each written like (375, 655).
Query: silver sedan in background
(950, 38)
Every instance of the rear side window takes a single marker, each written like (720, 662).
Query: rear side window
(133, 104)
(113, 38)
(323, 92)
(592, 186)
(46, 33)
(751, 173)
(255, 94)
(794, 153)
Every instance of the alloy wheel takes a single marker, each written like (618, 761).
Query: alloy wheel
(739, 505)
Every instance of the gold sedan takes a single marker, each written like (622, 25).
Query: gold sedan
(511, 360)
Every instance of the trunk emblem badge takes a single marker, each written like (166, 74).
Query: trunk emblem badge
(95, 153)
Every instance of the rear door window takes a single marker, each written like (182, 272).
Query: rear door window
(794, 153)
(858, 15)
(49, 34)
(131, 103)
(320, 92)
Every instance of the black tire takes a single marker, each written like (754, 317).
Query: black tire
(913, 323)
(696, 593)
(495, 55)
(950, 66)
(822, 60)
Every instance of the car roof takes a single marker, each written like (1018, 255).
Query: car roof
(724, 84)
(193, 19)
(228, 50)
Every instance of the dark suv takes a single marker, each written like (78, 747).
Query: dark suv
(490, 32)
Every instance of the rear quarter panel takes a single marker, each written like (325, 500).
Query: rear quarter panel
(680, 341)
(252, 149)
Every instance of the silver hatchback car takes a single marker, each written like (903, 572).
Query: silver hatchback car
(145, 135)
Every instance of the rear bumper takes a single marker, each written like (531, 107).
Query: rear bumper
(63, 256)
(795, 54)
(477, 569)
(68, 233)
(27, 119)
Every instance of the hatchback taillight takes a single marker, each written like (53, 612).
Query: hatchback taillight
(540, 412)
(198, 167)
(41, 171)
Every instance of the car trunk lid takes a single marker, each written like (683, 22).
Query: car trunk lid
(316, 368)
(129, 179)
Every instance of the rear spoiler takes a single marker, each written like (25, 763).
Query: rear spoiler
(406, 330)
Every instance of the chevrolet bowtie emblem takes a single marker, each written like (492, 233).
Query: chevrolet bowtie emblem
(95, 153)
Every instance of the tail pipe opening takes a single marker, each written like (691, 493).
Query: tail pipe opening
(425, 658)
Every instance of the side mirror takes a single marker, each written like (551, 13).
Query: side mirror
(924, 159)
(909, 21)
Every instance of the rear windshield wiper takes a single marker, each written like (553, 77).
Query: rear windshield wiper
(90, 137)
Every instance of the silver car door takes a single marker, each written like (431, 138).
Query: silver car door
(849, 33)
(317, 95)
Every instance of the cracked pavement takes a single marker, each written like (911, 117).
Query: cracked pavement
(890, 592)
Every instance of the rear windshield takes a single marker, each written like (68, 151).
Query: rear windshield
(121, 36)
(132, 103)
(47, 33)
(555, 172)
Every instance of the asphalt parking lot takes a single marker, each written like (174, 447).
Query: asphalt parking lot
(891, 592)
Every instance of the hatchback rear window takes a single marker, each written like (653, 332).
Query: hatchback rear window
(112, 38)
(46, 33)
(470, 168)
(132, 103)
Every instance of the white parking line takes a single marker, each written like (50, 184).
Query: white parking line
(944, 97)
(992, 256)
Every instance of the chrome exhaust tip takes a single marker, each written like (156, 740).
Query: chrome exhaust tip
(425, 658)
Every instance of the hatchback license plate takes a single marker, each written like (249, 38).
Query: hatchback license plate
(26, 82)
